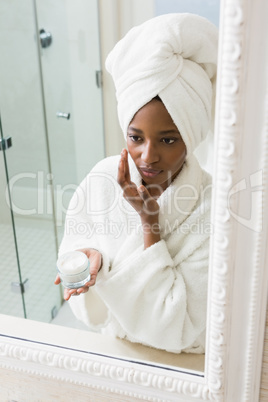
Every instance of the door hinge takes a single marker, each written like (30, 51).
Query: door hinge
(18, 287)
(99, 78)
(5, 143)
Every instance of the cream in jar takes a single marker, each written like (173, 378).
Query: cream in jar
(73, 269)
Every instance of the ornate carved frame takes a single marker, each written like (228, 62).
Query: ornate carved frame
(238, 278)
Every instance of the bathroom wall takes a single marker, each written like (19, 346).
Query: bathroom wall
(209, 9)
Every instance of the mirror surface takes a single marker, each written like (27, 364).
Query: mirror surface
(51, 104)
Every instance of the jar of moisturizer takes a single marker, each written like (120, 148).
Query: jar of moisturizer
(73, 269)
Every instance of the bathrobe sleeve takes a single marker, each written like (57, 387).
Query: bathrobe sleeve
(96, 195)
(157, 302)
(79, 234)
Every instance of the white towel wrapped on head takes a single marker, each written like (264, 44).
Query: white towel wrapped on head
(173, 56)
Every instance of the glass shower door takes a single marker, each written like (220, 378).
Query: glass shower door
(71, 72)
(27, 164)
(51, 106)
(12, 300)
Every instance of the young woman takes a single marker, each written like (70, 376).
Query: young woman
(143, 218)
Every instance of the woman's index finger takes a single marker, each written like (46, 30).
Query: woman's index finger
(121, 177)
(127, 174)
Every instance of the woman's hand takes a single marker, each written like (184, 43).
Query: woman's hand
(138, 197)
(95, 260)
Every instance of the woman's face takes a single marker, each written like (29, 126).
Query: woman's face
(155, 146)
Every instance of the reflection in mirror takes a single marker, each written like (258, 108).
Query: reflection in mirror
(51, 105)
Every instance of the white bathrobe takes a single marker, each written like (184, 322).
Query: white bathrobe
(156, 296)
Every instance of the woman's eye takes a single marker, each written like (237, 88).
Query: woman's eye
(135, 138)
(168, 141)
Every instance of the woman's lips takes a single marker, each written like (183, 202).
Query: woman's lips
(150, 172)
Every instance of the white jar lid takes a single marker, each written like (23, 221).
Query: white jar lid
(72, 262)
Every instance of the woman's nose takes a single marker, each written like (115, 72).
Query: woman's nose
(149, 154)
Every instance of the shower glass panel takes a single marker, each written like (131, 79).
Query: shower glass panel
(51, 106)
(12, 301)
(23, 118)
(71, 72)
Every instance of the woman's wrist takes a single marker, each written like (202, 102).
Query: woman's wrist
(149, 219)
(151, 231)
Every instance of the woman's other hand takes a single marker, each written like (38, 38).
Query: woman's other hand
(95, 260)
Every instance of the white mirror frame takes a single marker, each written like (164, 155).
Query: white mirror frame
(238, 278)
